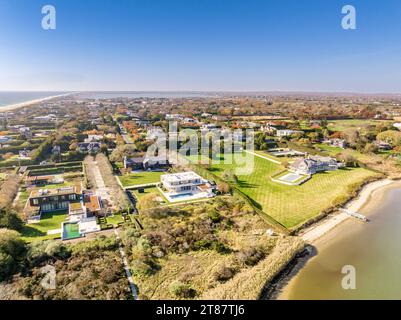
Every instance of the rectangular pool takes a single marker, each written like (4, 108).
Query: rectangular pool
(70, 231)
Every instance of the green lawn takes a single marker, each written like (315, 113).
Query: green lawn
(342, 125)
(148, 191)
(49, 221)
(115, 219)
(268, 155)
(293, 205)
(139, 178)
(329, 149)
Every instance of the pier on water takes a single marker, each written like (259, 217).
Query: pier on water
(355, 215)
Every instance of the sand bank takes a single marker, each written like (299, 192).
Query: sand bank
(12, 107)
(316, 231)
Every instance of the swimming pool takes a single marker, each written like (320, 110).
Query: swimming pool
(181, 195)
(291, 177)
(70, 231)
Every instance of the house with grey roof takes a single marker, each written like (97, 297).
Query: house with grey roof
(314, 164)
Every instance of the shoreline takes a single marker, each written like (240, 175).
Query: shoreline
(311, 234)
(278, 288)
(15, 106)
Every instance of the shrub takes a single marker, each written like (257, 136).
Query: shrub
(57, 250)
(7, 265)
(9, 219)
(11, 243)
(214, 216)
(225, 273)
(250, 256)
(181, 290)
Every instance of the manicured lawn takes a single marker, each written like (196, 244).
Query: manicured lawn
(293, 205)
(115, 219)
(329, 149)
(341, 125)
(148, 191)
(49, 221)
(139, 178)
(268, 155)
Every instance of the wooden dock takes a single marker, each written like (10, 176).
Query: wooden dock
(355, 215)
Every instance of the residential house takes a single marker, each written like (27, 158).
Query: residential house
(286, 132)
(339, 143)
(314, 164)
(24, 154)
(89, 147)
(146, 163)
(71, 199)
(184, 183)
(31, 181)
(383, 146)
(25, 132)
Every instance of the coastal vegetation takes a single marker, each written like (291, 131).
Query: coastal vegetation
(185, 251)
(89, 269)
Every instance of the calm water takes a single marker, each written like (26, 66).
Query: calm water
(144, 94)
(373, 248)
(7, 98)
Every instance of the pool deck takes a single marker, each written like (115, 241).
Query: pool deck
(184, 197)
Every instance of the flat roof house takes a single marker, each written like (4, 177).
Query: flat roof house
(72, 199)
(286, 132)
(183, 182)
(146, 163)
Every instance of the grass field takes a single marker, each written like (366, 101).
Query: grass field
(341, 125)
(149, 191)
(38, 231)
(329, 149)
(139, 178)
(293, 205)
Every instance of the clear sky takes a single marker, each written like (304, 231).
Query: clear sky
(250, 45)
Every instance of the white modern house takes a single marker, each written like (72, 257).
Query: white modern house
(181, 182)
(286, 132)
(185, 186)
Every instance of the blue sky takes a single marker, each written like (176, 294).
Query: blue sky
(288, 45)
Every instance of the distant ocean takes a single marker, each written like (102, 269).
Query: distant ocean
(13, 97)
(143, 94)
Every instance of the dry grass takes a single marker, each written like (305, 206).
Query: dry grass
(248, 284)
(199, 269)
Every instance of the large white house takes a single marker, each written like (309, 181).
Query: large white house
(185, 186)
(286, 132)
(181, 182)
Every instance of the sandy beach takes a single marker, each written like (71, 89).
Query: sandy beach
(313, 233)
(323, 233)
(12, 107)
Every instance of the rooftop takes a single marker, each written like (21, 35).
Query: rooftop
(176, 177)
(77, 189)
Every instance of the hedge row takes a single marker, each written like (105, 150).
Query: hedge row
(50, 171)
(56, 165)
